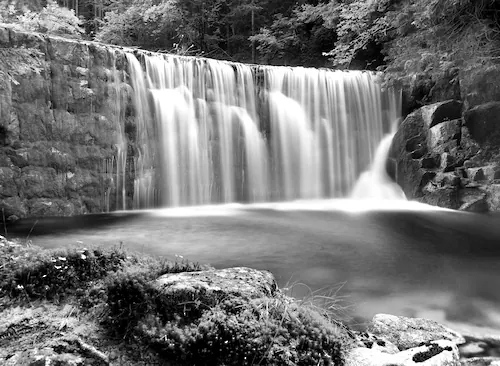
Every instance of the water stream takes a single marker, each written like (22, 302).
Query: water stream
(211, 131)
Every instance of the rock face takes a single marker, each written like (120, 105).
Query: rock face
(411, 332)
(454, 163)
(397, 340)
(59, 129)
(448, 158)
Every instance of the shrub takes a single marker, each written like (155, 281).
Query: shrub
(268, 331)
(129, 294)
(53, 274)
(52, 19)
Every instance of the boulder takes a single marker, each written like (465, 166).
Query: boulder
(483, 122)
(407, 333)
(437, 113)
(425, 142)
(444, 132)
(473, 200)
(433, 353)
(189, 293)
(238, 281)
(446, 197)
(447, 161)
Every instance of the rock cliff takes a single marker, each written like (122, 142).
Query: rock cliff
(446, 153)
(60, 129)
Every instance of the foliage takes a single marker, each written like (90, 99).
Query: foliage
(297, 39)
(143, 23)
(411, 34)
(52, 19)
(220, 330)
(432, 35)
(243, 332)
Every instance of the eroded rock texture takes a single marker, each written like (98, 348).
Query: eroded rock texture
(60, 103)
(447, 155)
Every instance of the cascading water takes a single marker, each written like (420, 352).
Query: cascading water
(210, 131)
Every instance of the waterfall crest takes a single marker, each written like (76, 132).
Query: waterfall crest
(211, 131)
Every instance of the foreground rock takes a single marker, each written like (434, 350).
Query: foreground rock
(237, 281)
(434, 353)
(411, 332)
(397, 340)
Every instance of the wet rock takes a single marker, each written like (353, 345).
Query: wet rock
(425, 143)
(474, 200)
(476, 174)
(434, 353)
(466, 148)
(442, 197)
(483, 123)
(410, 332)
(437, 113)
(444, 132)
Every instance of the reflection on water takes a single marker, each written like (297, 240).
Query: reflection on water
(412, 260)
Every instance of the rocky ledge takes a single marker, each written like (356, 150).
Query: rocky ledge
(446, 155)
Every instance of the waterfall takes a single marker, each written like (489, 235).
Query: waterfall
(211, 131)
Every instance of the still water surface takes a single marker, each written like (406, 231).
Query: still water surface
(401, 258)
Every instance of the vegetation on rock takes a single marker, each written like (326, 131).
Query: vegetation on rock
(94, 305)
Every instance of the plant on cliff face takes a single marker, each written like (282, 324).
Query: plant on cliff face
(52, 19)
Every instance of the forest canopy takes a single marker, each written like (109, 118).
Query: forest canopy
(401, 35)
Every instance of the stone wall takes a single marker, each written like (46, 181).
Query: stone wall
(59, 125)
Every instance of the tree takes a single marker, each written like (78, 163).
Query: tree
(144, 23)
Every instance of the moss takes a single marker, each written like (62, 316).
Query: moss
(193, 327)
(268, 331)
(53, 274)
